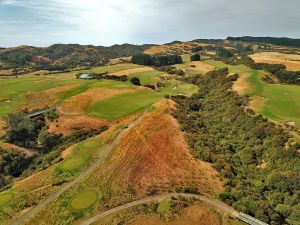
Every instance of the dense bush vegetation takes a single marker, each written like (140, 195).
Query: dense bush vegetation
(195, 57)
(24, 131)
(259, 163)
(197, 49)
(223, 53)
(32, 133)
(61, 57)
(135, 81)
(156, 60)
(12, 164)
(277, 70)
(171, 70)
(269, 40)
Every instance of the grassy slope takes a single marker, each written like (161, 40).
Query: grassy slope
(126, 104)
(147, 77)
(282, 102)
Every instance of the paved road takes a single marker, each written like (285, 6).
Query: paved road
(214, 203)
(78, 179)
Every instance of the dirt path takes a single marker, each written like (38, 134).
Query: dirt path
(78, 179)
(214, 203)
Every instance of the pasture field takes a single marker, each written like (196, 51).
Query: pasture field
(291, 61)
(277, 102)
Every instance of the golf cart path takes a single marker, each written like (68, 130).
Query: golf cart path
(22, 218)
(214, 203)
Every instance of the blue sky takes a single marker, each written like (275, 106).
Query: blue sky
(107, 22)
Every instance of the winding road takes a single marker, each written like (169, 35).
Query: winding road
(214, 203)
(78, 179)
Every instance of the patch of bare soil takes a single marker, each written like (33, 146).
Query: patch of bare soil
(69, 124)
(291, 61)
(154, 156)
(131, 71)
(79, 103)
(256, 103)
(241, 86)
(2, 127)
(198, 213)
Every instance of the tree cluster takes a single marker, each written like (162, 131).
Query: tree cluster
(195, 57)
(277, 70)
(12, 164)
(156, 60)
(258, 162)
(269, 40)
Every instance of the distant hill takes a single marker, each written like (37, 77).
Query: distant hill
(270, 40)
(64, 56)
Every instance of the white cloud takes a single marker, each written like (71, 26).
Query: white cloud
(139, 21)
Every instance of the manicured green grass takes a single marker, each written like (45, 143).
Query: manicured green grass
(84, 200)
(282, 102)
(82, 154)
(123, 105)
(163, 206)
(5, 198)
(14, 89)
(147, 77)
(232, 69)
(73, 163)
(126, 104)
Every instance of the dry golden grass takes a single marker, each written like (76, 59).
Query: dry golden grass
(256, 103)
(10, 147)
(45, 98)
(2, 127)
(68, 124)
(201, 67)
(6, 72)
(132, 71)
(79, 103)
(241, 86)
(291, 61)
(178, 48)
(197, 213)
(154, 154)
(120, 60)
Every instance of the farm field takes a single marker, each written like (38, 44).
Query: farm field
(275, 101)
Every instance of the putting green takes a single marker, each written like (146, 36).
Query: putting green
(163, 206)
(83, 200)
(5, 198)
(73, 163)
